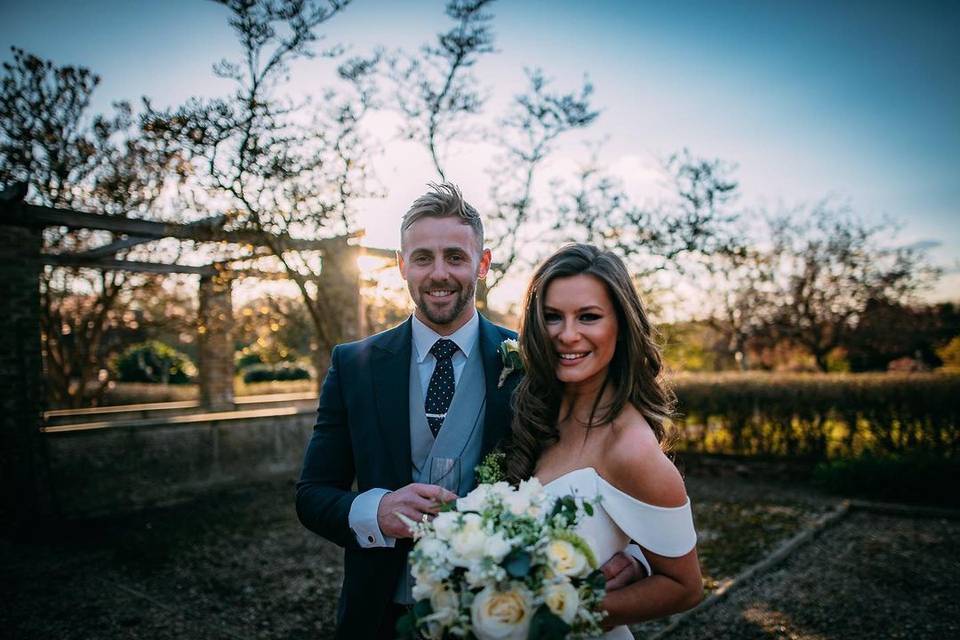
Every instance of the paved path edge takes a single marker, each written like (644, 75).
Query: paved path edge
(777, 556)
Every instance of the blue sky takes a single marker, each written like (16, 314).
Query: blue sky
(855, 100)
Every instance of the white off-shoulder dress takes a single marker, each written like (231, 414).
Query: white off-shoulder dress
(620, 518)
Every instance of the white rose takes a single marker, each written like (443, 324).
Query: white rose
(496, 547)
(563, 600)
(565, 559)
(501, 615)
(517, 503)
(432, 548)
(474, 500)
(467, 545)
(445, 523)
(501, 488)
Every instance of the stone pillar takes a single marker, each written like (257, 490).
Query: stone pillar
(339, 286)
(26, 490)
(215, 343)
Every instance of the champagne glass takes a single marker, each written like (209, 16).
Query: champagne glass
(445, 472)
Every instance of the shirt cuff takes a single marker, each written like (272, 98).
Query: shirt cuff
(363, 520)
(636, 552)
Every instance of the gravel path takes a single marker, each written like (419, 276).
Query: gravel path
(871, 576)
(239, 565)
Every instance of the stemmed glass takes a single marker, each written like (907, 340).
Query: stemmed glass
(445, 472)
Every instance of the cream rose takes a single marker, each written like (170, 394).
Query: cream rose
(563, 600)
(501, 615)
(565, 559)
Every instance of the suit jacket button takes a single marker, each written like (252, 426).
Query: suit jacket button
(369, 538)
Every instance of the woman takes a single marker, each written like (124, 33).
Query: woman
(589, 420)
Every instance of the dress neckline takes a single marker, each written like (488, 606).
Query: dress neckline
(685, 505)
(570, 473)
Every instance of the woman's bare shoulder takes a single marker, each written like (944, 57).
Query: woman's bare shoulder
(636, 464)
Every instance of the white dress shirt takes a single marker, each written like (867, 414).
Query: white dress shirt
(362, 518)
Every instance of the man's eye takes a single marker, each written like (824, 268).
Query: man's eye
(456, 258)
(422, 260)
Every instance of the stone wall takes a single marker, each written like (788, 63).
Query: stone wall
(143, 463)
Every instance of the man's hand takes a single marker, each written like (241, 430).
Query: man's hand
(620, 570)
(414, 501)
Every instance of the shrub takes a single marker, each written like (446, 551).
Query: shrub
(900, 478)
(279, 371)
(153, 361)
(819, 417)
(245, 360)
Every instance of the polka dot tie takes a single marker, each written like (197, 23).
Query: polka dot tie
(440, 389)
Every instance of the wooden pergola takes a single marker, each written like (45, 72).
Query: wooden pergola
(22, 260)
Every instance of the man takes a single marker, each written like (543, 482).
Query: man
(394, 402)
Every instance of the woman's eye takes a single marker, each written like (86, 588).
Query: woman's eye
(551, 317)
(589, 317)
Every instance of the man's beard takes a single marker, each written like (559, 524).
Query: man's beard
(442, 317)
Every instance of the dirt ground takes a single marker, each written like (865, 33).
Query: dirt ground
(239, 565)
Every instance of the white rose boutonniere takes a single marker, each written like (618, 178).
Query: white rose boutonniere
(510, 355)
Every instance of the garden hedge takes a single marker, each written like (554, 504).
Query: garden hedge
(818, 417)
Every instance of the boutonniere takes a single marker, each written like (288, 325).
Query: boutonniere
(510, 355)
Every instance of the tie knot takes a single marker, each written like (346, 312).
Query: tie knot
(443, 348)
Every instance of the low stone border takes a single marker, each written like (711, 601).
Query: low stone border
(777, 556)
(782, 552)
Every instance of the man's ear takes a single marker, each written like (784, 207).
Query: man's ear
(485, 259)
(401, 265)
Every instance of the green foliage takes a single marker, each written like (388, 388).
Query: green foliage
(918, 477)
(819, 417)
(246, 359)
(153, 361)
(279, 371)
(490, 469)
(546, 625)
(517, 563)
(949, 354)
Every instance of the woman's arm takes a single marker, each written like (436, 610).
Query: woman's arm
(636, 465)
(674, 586)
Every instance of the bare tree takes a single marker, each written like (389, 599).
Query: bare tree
(436, 91)
(739, 296)
(528, 134)
(829, 264)
(673, 235)
(284, 169)
(71, 159)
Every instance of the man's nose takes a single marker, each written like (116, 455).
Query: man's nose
(439, 271)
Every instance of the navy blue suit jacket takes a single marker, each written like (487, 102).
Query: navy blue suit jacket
(362, 435)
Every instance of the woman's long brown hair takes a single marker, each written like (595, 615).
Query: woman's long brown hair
(633, 375)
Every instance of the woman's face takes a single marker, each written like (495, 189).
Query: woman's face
(582, 324)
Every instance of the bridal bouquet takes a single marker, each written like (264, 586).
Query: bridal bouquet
(505, 563)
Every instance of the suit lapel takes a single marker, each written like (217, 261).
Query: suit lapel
(391, 388)
(496, 421)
